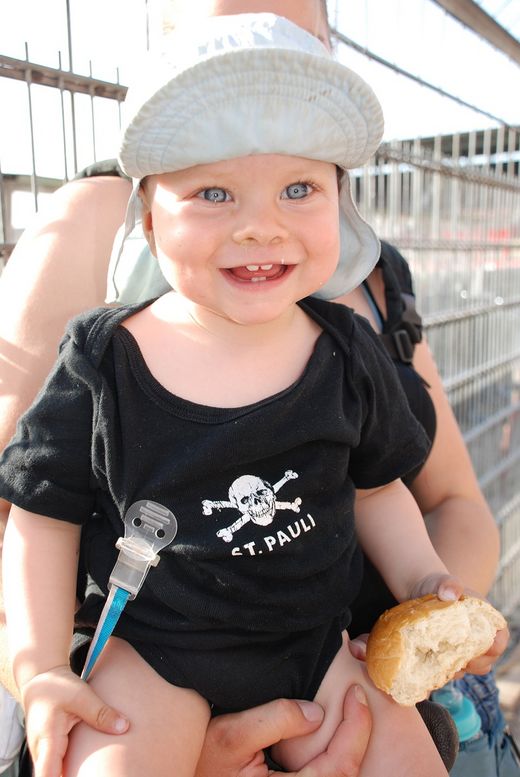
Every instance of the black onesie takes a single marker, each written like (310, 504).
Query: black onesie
(249, 602)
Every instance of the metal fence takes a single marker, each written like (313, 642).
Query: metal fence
(452, 206)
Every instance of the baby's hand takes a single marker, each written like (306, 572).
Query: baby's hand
(54, 702)
(446, 587)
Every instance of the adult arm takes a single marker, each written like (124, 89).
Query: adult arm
(460, 524)
(458, 519)
(57, 270)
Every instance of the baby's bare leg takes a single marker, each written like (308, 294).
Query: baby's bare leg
(167, 724)
(400, 743)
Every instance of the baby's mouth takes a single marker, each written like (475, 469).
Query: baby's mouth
(255, 273)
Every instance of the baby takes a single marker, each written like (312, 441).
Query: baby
(272, 425)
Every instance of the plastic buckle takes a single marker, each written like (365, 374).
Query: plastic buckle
(403, 345)
(149, 527)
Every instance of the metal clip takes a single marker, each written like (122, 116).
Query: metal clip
(149, 527)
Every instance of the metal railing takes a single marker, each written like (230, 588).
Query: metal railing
(452, 206)
(73, 89)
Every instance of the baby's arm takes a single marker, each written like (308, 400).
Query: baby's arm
(393, 534)
(39, 575)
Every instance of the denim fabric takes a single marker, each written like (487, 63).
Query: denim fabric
(492, 753)
(483, 692)
(11, 732)
(487, 756)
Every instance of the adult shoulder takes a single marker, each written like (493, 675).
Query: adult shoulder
(57, 270)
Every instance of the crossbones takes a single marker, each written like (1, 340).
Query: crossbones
(255, 499)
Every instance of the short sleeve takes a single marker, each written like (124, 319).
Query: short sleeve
(46, 466)
(392, 441)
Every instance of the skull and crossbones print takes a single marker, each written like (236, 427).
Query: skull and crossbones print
(255, 500)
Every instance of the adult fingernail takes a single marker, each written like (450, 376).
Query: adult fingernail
(311, 711)
(359, 645)
(361, 695)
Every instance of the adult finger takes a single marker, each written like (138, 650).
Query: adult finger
(233, 741)
(348, 746)
(499, 643)
(358, 647)
(485, 663)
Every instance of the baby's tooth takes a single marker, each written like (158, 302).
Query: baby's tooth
(252, 267)
(266, 266)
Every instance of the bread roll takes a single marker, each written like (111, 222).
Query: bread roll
(420, 644)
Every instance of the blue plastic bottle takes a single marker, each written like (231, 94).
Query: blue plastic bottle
(461, 709)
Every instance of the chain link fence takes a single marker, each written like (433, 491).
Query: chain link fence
(452, 206)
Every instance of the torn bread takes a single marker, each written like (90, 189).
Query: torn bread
(420, 644)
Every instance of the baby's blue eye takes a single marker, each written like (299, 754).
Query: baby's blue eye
(214, 195)
(296, 191)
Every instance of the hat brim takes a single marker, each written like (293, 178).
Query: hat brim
(253, 102)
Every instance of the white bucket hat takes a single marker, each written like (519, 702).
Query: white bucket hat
(253, 84)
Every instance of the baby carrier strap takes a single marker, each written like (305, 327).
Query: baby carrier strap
(101, 168)
(402, 327)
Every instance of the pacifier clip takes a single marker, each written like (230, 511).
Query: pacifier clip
(149, 528)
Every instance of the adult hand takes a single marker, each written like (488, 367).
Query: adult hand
(358, 647)
(234, 743)
(54, 702)
(484, 663)
(449, 588)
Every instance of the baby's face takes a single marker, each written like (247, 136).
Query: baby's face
(248, 237)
